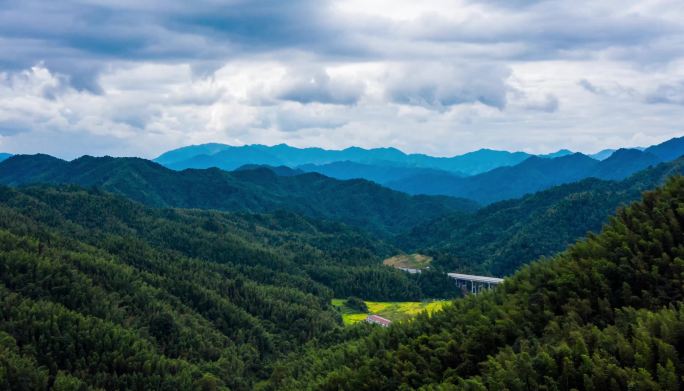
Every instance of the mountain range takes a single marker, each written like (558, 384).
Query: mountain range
(231, 157)
(499, 238)
(484, 176)
(256, 190)
(460, 236)
(327, 161)
(535, 174)
(382, 174)
(120, 273)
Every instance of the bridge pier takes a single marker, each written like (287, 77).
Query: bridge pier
(474, 284)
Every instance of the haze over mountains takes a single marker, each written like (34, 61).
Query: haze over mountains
(479, 175)
(531, 175)
(229, 158)
(317, 159)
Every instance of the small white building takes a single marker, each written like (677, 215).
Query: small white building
(379, 320)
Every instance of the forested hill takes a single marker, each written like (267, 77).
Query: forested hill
(606, 314)
(355, 202)
(100, 291)
(501, 237)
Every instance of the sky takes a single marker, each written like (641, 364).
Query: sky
(137, 77)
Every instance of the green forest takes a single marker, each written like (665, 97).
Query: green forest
(501, 237)
(104, 288)
(606, 314)
(341, 195)
(358, 203)
(99, 291)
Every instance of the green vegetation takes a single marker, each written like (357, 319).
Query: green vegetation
(607, 314)
(260, 190)
(100, 292)
(410, 261)
(502, 237)
(392, 310)
(356, 304)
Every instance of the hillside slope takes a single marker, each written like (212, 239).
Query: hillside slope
(356, 202)
(503, 236)
(605, 314)
(101, 291)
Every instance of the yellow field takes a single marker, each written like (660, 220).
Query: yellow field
(410, 261)
(394, 311)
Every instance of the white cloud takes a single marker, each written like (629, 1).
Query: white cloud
(437, 76)
(440, 85)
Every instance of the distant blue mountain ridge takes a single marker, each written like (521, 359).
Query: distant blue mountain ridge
(485, 176)
(231, 157)
(538, 173)
(381, 165)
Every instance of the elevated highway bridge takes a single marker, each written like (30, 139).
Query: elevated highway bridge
(474, 284)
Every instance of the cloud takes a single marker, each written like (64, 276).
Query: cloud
(587, 85)
(439, 76)
(10, 128)
(549, 104)
(297, 117)
(667, 94)
(315, 85)
(441, 85)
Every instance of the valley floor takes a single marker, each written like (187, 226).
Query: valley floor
(392, 310)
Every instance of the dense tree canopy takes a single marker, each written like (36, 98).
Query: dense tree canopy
(98, 291)
(500, 238)
(607, 314)
(359, 203)
(104, 292)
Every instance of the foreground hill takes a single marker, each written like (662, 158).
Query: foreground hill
(99, 292)
(231, 157)
(357, 202)
(537, 173)
(606, 314)
(501, 237)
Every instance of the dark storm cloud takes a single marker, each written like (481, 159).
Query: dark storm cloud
(98, 31)
(163, 30)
